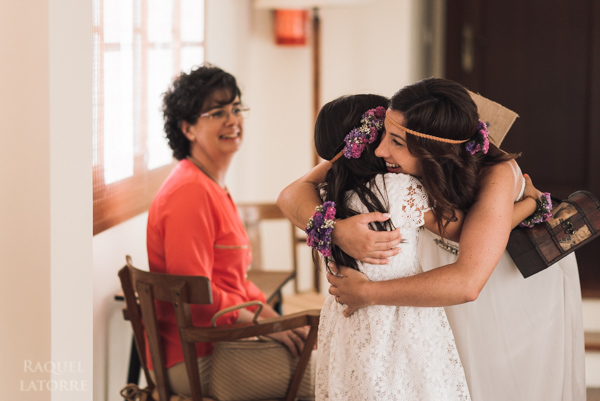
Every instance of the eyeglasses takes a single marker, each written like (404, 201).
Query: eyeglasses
(223, 115)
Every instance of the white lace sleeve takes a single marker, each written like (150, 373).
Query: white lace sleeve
(408, 200)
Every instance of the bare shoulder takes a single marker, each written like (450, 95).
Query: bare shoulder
(500, 176)
(502, 170)
(497, 185)
(487, 223)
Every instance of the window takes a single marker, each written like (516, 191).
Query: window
(139, 46)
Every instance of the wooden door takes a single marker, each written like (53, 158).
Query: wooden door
(540, 58)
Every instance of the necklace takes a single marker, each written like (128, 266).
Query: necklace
(199, 165)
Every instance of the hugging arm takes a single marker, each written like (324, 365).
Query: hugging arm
(299, 199)
(521, 210)
(527, 206)
(482, 242)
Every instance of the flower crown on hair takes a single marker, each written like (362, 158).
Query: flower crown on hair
(478, 142)
(358, 138)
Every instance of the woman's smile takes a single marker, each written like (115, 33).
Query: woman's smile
(393, 168)
(393, 148)
(234, 135)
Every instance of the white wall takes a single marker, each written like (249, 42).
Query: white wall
(112, 335)
(370, 48)
(45, 201)
(24, 199)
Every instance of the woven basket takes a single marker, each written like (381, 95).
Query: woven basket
(256, 369)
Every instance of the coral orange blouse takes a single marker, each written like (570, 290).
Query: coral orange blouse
(194, 228)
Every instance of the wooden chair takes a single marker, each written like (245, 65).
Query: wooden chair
(253, 214)
(269, 282)
(141, 289)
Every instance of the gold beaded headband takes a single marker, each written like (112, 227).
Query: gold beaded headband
(435, 138)
(340, 154)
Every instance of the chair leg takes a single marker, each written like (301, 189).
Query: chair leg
(135, 365)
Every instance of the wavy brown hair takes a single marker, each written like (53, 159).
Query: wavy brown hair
(451, 174)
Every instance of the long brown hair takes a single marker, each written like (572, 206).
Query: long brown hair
(451, 174)
(335, 120)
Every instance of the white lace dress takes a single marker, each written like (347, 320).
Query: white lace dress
(390, 353)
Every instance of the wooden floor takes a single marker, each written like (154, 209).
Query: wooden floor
(303, 301)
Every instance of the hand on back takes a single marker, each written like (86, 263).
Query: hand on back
(348, 286)
(355, 238)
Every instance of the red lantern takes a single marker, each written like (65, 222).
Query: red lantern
(290, 27)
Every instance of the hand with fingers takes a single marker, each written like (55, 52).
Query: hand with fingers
(292, 339)
(349, 287)
(355, 238)
(530, 190)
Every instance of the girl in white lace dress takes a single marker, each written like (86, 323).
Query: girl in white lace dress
(381, 353)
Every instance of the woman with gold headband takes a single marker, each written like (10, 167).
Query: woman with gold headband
(518, 339)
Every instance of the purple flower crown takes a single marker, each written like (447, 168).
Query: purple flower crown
(358, 138)
(480, 140)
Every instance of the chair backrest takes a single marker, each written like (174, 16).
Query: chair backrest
(253, 214)
(142, 288)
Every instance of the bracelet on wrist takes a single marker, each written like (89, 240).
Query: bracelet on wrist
(319, 228)
(542, 213)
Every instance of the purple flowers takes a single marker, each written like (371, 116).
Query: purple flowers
(319, 228)
(358, 138)
(480, 140)
(541, 214)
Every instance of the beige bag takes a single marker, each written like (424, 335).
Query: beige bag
(256, 369)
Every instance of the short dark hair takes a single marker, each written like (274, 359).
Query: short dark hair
(186, 97)
(335, 120)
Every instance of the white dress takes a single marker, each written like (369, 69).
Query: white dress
(522, 339)
(390, 353)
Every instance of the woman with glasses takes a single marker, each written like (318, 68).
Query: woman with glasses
(193, 224)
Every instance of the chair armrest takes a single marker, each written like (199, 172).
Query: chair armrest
(245, 330)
